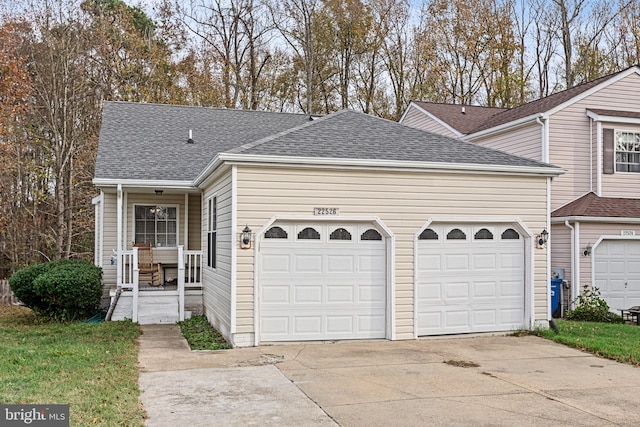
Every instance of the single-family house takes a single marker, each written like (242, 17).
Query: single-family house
(285, 227)
(593, 131)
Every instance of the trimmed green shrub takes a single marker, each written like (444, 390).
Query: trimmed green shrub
(591, 308)
(62, 290)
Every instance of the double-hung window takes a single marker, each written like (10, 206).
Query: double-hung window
(156, 224)
(627, 151)
(212, 230)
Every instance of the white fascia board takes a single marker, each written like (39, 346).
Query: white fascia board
(370, 164)
(617, 119)
(164, 184)
(506, 126)
(614, 220)
(432, 117)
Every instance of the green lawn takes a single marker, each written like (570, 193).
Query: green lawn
(620, 342)
(91, 367)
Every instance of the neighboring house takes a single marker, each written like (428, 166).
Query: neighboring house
(593, 131)
(281, 227)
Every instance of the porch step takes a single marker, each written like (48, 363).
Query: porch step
(152, 308)
(159, 312)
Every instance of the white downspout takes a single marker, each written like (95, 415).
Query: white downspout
(576, 255)
(119, 236)
(599, 159)
(573, 255)
(590, 154)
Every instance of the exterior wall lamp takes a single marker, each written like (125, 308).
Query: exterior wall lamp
(542, 238)
(245, 238)
(587, 250)
(159, 192)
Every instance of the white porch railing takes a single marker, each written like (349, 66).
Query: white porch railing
(189, 273)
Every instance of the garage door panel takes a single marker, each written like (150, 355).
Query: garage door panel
(484, 318)
(633, 266)
(336, 288)
(456, 290)
(429, 292)
(456, 262)
(308, 294)
(511, 288)
(340, 263)
(431, 262)
(276, 263)
(371, 263)
(305, 325)
(484, 289)
(307, 263)
(340, 294)
(485, 262)
(276, 295)
(479, 286)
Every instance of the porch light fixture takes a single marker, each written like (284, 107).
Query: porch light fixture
(159, 192)
(542, 238)
(587, 250)
(245, 238)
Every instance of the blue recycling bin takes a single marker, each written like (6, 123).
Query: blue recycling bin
(556, 291)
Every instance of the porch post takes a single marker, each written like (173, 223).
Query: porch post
(136, 273)
(181, 282)
(119, 236)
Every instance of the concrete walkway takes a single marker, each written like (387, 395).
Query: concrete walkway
(487, 380)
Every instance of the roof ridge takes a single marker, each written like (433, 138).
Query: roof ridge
(253, 144)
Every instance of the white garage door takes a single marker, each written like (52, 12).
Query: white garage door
(322, 281)
(617, 272)
(470, 279)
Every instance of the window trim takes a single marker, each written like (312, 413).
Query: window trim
(165, 205)
(616, 132)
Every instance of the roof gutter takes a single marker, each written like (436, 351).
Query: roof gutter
(615, 220)
(505, 127)
(164, 183)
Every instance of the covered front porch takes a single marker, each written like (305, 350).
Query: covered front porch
(169, 221)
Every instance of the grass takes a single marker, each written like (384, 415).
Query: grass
(201, 335)
(91, 367)
(619, 342)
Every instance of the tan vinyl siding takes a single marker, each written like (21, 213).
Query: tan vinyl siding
(560, 238)
(570, 143)
(217, 282)
(621, 184)
(570, 148)
(403, 201)
(109, 272)
(419, 120)
(195, 222)
(524, 142)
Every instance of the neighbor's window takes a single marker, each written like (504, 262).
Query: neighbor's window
(212, 231)
(627, 151)
(156, 224)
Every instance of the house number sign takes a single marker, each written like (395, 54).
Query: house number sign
(326, 211)
(627, 233)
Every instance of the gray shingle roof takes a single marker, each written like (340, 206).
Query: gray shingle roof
(149, 141)
(352, 135)
(479, 120)
(452, 114)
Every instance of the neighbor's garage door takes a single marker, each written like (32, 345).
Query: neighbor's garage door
(470, 279)
(322, 281)
(617, 272)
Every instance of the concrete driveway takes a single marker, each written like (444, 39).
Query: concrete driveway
(486, 380)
